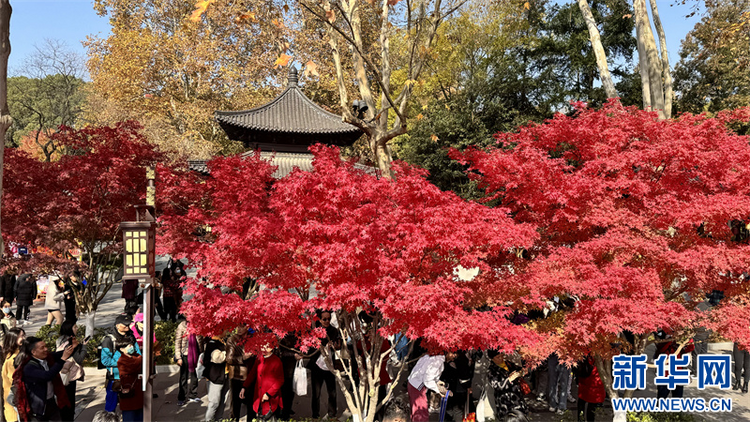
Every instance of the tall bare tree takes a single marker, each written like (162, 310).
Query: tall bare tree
(666, 73)
(596, 44)
(415, 23)
(656, 79)
(5, 119)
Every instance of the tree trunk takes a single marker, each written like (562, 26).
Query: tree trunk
(362, 398)
(596, 44)
(666, 71)
(89, 321)
(383, 156)
(648, 53)
(642, 66)
(5, 119)
(605, 373)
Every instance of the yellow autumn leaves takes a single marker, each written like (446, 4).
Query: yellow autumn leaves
(200, 9)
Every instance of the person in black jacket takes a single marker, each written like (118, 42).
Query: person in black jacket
(72, 284)
(25, 294)
(7, 287)
(289, 358)
(45, 392)
(215, 362)
(319, 375)
(458, 374)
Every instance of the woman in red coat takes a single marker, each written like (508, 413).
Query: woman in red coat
(268, 375)
(591, 392)
(130, 365)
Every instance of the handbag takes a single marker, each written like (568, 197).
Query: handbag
(300, 379)
(484, 408)
(525, 388)
(126, 392)
(321, 362)
(71, 370)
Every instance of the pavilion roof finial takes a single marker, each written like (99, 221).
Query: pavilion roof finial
(293, 78)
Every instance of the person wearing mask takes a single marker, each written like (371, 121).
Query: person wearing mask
(238, 365)
(73, 368)
(505, 379)
(137, 329)
(268, 376)
(110, 356)
(214, 360)
(40, 374)
(25, 289)
(591, 392)
(423, 377)
(53, 302)
(11, 346)
(319, 374)
(187, 349)
(8, 320)
(130, 365)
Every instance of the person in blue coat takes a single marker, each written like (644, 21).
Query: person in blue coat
(110, 356)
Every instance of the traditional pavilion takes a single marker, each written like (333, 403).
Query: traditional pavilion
(284, 128)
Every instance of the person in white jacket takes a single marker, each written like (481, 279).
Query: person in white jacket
(53, 302)
(423, 377)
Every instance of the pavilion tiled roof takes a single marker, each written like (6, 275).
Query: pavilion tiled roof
(291, 113)
(285, 162)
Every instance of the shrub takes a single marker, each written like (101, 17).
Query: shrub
(164, 331)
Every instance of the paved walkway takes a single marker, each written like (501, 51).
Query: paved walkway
(90, 396)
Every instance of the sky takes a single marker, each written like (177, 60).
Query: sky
(71, 21)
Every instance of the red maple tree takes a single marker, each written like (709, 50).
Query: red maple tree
(78, 202)
(339, 238)
(634, 219)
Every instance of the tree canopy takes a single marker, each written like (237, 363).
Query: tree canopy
(713, 73)
(340, 238)
(77, 202)
(500, 66)
(633, 213)
(171, 72)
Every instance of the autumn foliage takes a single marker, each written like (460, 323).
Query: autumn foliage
(634, 219)
(77, 201)
(340, 238)
(359, 242)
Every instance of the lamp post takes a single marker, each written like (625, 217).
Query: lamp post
(139, 258)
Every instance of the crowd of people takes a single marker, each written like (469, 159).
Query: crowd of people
(40, 384)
